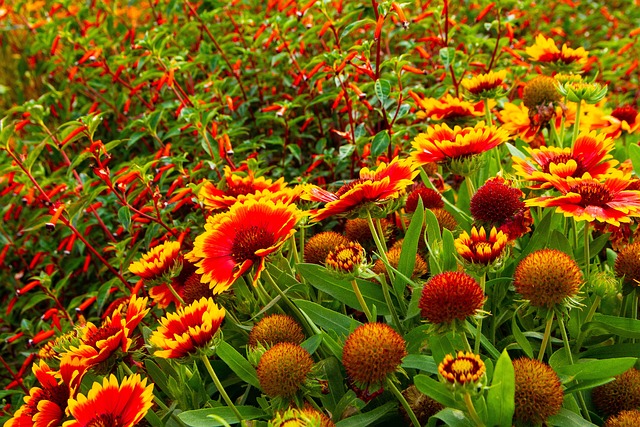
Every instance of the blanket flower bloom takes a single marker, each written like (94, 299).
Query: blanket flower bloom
(449, 108)
(112, 404)
(236, 240)
(545, 50)
(590, 153)
(157, 261)
(235, 187)
(479, 249)
(188, 330)
(442, 144)
(485, 86)
(373, 189)
(604, 199)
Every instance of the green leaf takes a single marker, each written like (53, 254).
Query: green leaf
(435, 390)
(597, 369)
(238, 364)
(618, 350)
(205, 417)
(382, 89)
(328, 320)
(567, 418)
(451, 417)
(447, 55)
(514, 151)
(330, 369)
(409, 248)
(421, 362)
(522, 341)
(634, 155)
(380, 143)
(312, 343)
(368, 418)
(500, 404)
(158, 376)
(342, 290)
(624, 327)
(124, 217)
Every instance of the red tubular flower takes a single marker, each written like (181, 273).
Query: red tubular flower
(372, 188)
(240, 238)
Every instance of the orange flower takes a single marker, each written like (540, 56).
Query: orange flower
(111, 404)
(516, 121)
(465, 368)
(188, 330)
(545, 50)
(449, 108)
(236, 185)
(622, 119)
(588, 154)
(46, 405)
(373, 188)
(98, 344)
(485, 85)
(477, 249)
(240, 238)
(587, 199)
(442, 144)
(157, 261)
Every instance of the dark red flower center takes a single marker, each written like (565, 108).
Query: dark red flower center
(248, 240)
(348, 186)
(101, 333)
(592, 193)
(106, 420)
(58, 394)
(563, 158)
(626, 113)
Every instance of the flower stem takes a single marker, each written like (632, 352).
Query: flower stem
(587, 255)
(547, 334)
(381, 234)
(576, 124)
(470, 188)
(592, 311)
(476, 344)
(360, 298)
(175, 294)
(466, 341)
(220, 388)
(394, 389)
(472, 410)
(387, 299)
(381, 249)
(289, 303)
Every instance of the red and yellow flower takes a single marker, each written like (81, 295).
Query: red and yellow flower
(484, 86)
(442, 144)
(465, 369)
(188, 330)
(449, 108)
(235, 186)
(623, 119)
(477, 248)
(604, 199)
(112, 404)
(545, 50)
(46, 405)
(159, 260)
(236, 240)
(590, 153)
(373, 189)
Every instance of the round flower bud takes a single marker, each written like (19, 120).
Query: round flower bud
(274, 329)
(538, 394)
(283, 369)
(622, 394)
(319, 246)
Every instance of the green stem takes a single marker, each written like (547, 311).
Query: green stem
(427, 182)
(587, 255)
(553, 135)
(289, 303)
(360, 298)
(562, 129)
(387, 299)
(476, 344)
(466, 340)
(394, 389)
(576, 125)
(294, 250)
(470, 188)
(381, 234)
(547, 335)
(220, 388)
(381, 249)
(489, 120)
(301, 233)
(175, 294)
(592, 311)
(472, 411)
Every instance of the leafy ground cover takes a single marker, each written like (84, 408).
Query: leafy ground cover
(319, 213)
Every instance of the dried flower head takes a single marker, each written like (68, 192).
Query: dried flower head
(624, 419)
(465, 369)
(283, 369)
(430, 199)
(547, 278)
(358, 230)
(450, 296)
(319, 246)
(445, 219)
(622, 394)
(274, 329)
(393, 255)
(423, 406)
(627, 264)
(372, 352)
(539, 392)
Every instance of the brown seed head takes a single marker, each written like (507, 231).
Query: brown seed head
(274, 329)
(319, 246)
(540, 91)
(539, 392)
(283, 369)
(622, 394)
(624, 419)
(628, 264)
